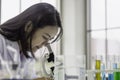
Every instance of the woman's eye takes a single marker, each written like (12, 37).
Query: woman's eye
(44, 37)
(47, 38)
(37, 47)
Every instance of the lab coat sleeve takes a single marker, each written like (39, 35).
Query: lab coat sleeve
(29, 70)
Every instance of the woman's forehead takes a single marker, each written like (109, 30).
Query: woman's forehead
(50, 30)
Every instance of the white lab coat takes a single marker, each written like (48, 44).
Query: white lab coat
(8, 56)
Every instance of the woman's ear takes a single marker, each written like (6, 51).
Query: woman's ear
(28, 27)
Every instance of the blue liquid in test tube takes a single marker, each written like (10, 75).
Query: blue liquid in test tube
(110, 76)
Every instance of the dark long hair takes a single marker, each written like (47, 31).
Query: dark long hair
(40, 15)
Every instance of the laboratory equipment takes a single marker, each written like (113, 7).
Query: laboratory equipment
(59, 68)
(70, 67)
(62, 67)
(90, 75)
(103, 76)
(44, 65)
(48, 62)
(110, 62)
(98, 67)
(115, 66)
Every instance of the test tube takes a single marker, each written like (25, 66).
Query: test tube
(110, 62)
(119, 65)
(116, 74)
(103, 72)
(91, 75)
(110, 76)
(98, 67)
(103, 68)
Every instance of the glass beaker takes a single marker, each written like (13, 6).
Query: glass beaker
(70, 67)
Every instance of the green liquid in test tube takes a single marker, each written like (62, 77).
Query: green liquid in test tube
(116, 74)
(115, 66)
(97, 66)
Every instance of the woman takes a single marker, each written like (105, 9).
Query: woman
(37, 26)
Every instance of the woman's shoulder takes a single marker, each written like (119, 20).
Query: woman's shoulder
(1, 36)
(8, 47)
(4, 42)
(2, 39)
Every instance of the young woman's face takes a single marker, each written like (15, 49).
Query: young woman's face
(42, 36)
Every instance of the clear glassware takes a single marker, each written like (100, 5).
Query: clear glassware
(70, 67)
